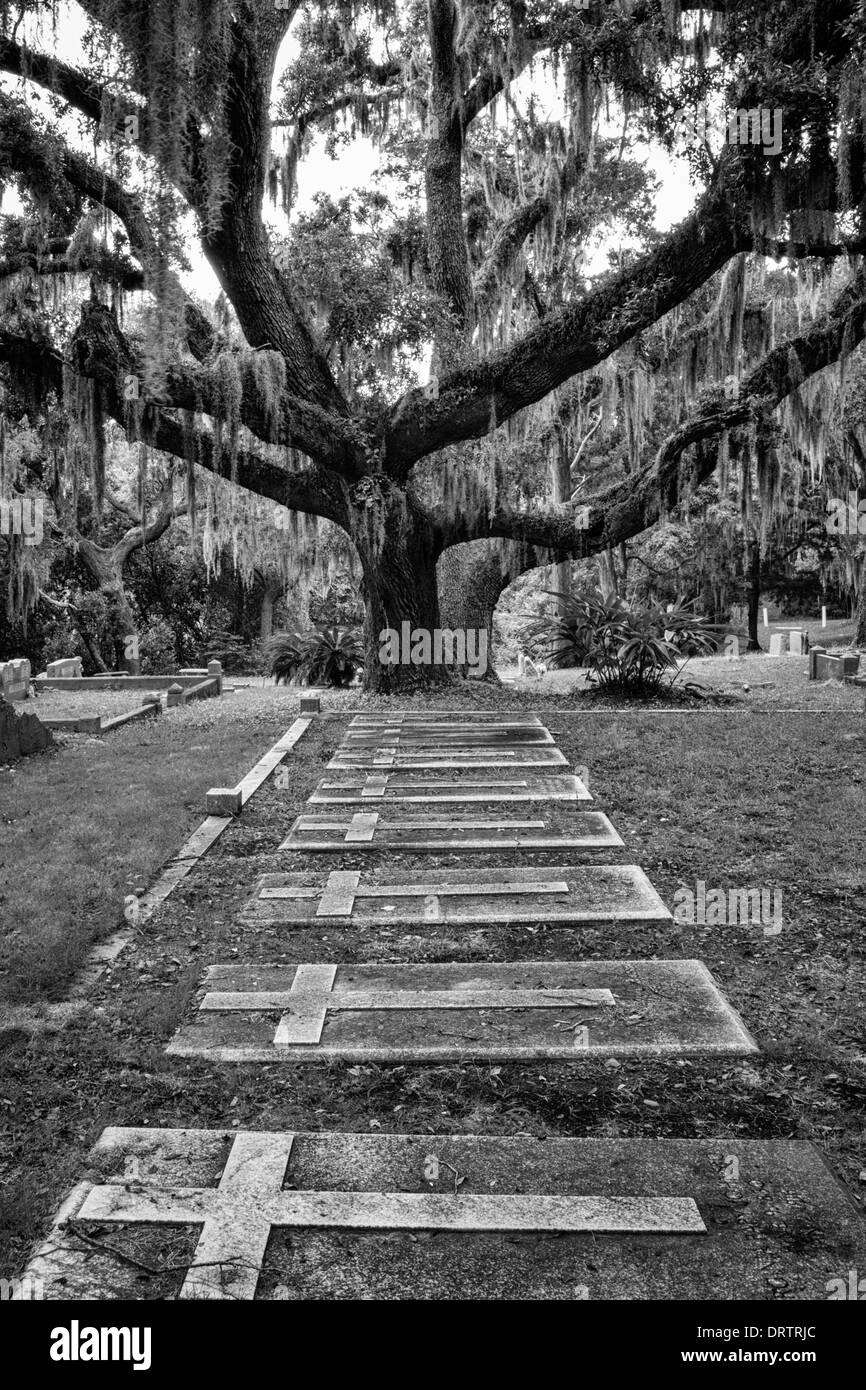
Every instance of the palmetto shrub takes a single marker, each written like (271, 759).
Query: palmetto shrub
(323, 656)
(630, 649)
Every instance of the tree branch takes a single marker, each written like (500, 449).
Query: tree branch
(633, 505)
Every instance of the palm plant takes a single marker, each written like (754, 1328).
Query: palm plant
(323, 656)
(630, 649)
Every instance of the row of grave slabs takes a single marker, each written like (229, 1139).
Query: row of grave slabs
(334, 1215)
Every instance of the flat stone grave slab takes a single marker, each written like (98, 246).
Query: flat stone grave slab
(450, 737)
(279, 1215)
(447, 717)
(390, 787)
(581, 893)
(338, 831)
(433, 1013)
(431, 760)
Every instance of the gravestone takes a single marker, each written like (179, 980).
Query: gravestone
(552, 1010)
(409, 760)
(394, 787)
(446, 721)
(338, 831)
(563, 896)
(426, 737)
(70, 668)
(779, 644)
(21, 734)
(335, 1216)
(15, 680)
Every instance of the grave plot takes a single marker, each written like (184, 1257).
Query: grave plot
(450, 737)
(332, 1216)
(335, 831)
(579, 894)
(407, 760)
(426, 1013)
(394, 787)
(446, 721)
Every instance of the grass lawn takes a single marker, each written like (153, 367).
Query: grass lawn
(731, 797)
(91, 821)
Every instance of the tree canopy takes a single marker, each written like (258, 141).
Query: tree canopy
(407, 362)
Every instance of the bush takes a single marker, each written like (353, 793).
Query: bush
(629, 649)
(325, 656)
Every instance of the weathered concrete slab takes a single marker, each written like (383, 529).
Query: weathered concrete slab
(551, 1010)
(375, 830)
(445, 737)
(334, 1216)
(431, 760)
(390, 787)
(582, 893)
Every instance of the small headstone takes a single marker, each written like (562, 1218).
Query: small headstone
(15, 679)
(174, 695)
(796, 641)
(69, 668)
(310, 704)
(215, 672)
(778, 644)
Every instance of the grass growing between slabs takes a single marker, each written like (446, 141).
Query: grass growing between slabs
(92, 820)
(735, 800)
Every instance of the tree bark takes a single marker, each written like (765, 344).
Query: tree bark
(470, 579)
(860, 638)
(398, 551)
(754, 563)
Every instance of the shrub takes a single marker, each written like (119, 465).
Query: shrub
(325, 656)
(631, 649)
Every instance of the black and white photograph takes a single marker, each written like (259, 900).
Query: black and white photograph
(432, 679)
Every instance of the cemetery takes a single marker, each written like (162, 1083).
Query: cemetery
(433, 702)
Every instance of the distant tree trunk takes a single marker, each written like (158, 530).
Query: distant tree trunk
(270, 595)
(754, 567)
(860, 638)
(471, 578)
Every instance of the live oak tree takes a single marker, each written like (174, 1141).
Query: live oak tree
(193, 119)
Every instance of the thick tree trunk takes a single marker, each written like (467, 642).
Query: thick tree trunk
(398, 555)
(754, 563)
